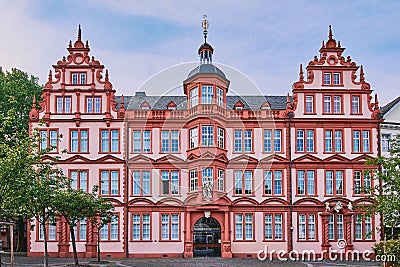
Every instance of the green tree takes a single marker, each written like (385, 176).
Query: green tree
(76, 205)
(103, 215)
(386, 192)
(21, 87)
(27, 182)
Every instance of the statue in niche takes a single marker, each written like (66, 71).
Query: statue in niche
(207, 190)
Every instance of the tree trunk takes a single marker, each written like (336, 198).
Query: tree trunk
(21, 235)
(98, 245)
(45, 256)
(71, 230)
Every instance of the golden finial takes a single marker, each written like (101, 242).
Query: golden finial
(205, 27)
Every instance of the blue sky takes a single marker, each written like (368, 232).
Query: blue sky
(266, 40)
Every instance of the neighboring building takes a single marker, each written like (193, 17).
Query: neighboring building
(207, 173)
(390, 127)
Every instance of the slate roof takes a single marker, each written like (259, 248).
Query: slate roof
(206, 69)
(161, 102)
(385, 109)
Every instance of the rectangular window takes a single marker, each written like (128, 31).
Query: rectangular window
(306, 182)
(74, 78)
(221, 138)
(109, 182)
(48, 140)
(170, 182)
(273, 226)
(267, 140)
(327, 78)
(63, 104)
(193, 136)
(327, 104)
(243, 183)
(51, 230)
(141, 183)
(338, 141)
(365, 141)
(335, 227)
(93, 104)
(336, 78)
(220, 97)
(334, 183)
(109, 140)
(82, 77)
(141, 141)
(79, 141)
(220, 180)
(207, 175)
(356, 141)
(207, 94)
(243, 141)
(140, 227)
(355, 105)
(169, 227)
(194, 97)
(310, 141)
(169, 141)
(207, 135)
(307, 227)
(309, 104)
(328, 141)
(277, 140)
(244, 226)
(110, 231)
(300, 141)
(82, 229)
(386, 142)
(273, 183)
(363, 227)
(79, 179)
(238, 141)
(194, 180)
(337, 104)
(362, 183)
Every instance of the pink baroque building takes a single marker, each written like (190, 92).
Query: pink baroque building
(209, 173)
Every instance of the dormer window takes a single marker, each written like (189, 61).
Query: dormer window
(238, 106)
(207, 94)
(145, 106)
(194, 97)
(171, 106)
(266, 105)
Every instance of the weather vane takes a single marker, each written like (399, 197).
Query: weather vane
(205, 27)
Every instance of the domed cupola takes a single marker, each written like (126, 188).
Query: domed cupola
(206, 81)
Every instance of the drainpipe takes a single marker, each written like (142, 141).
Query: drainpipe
(382, 225)
(126, 213)
(290, 181)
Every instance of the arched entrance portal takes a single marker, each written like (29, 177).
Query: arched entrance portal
(207, 238)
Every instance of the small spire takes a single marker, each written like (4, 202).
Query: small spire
(79, 32)
(50, 75)
(376, 102)
(70, 43)
(323, 43)
(34, 102)
(122, 101)
(339, 44)
(288, 103)
(106, 78)
(87, 44)
(362, 79)
(330, 32)
(301, 74)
